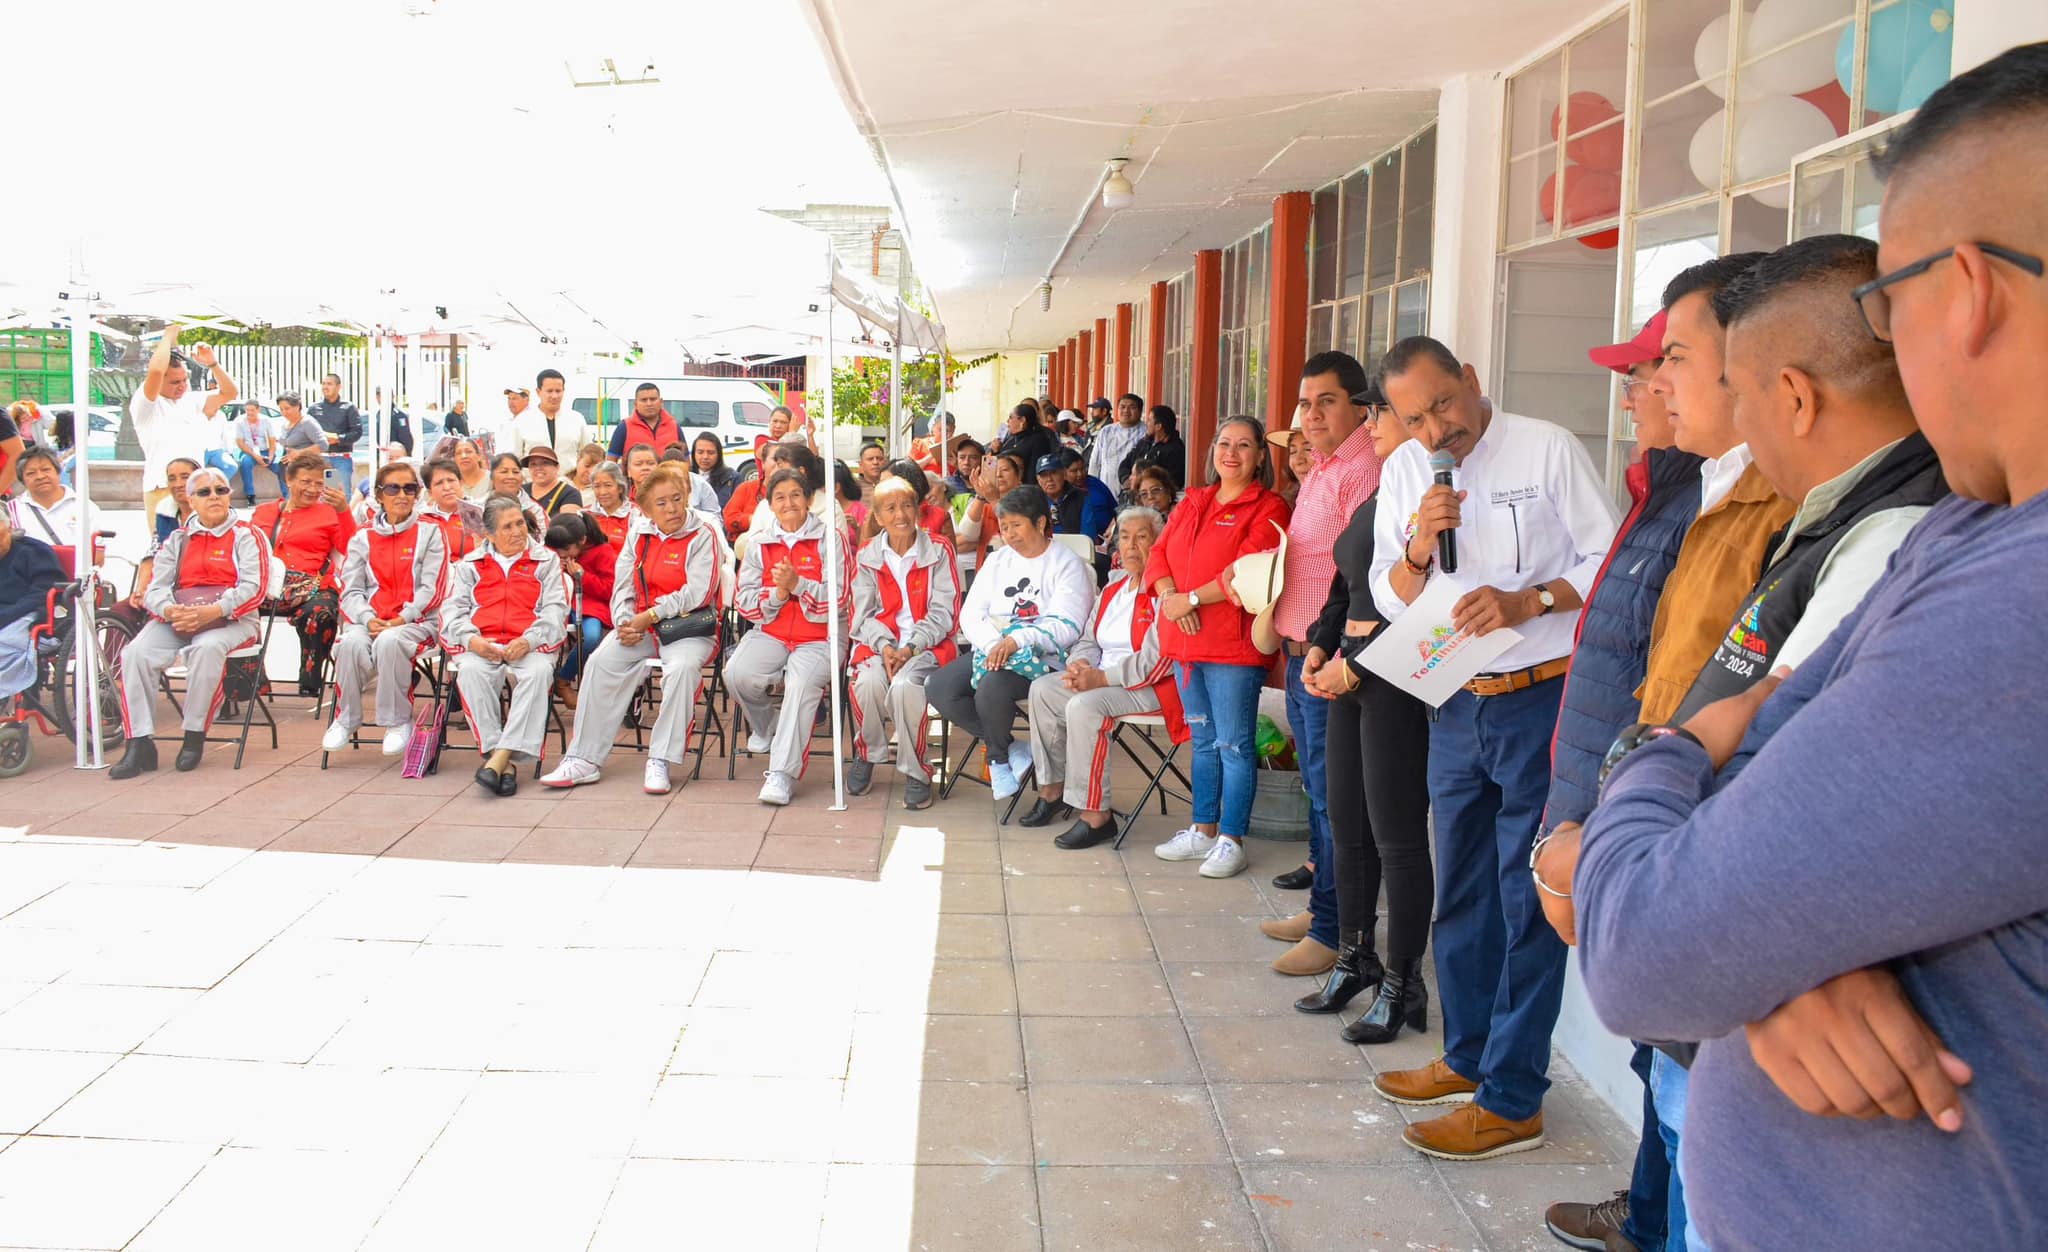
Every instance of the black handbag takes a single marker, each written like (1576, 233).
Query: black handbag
(698, 623)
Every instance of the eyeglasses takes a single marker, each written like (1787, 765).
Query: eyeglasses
(400, 489)
(1630, 384)
(1874, 301)
(202, 493)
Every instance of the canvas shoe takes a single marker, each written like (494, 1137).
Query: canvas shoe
(776, 788)
(337, 736)
(758, 743)
(1187, 845)
(397, 740)
(1020, 758)
(1224, 860)
(1002, 780)
(654, 781)
(574, 771)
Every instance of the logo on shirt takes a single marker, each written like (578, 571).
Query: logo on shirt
(1513, 495)
(1026, 604)
(1746, 635)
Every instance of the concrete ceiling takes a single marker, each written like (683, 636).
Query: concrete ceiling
(994, 121)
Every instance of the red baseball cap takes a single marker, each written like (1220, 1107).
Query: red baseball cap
(1648, 345)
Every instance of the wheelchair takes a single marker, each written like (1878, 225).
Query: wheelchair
(51, 699)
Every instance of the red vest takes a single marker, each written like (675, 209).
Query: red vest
(391, 558)
(661, 566)
(920, 603)
(507, 602)
(454, 535)
(1143, 613)
(209, 560)
(658, 436)
(789, 624)
(614, 528)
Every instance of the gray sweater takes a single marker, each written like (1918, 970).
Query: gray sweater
(1889, 807)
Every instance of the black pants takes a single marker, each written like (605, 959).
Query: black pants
(987, 710)
(1377, 767)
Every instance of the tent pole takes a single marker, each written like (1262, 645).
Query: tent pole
(832, 541)
(86, 714)
(939, 413)
(896, 385)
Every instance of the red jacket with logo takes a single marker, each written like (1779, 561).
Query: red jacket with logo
(312, 540)
(236, 560)
(804, 616)
(1201, 538)
(668, 574)
(394, 571)
(878, 599)
(529, 600)
(1147, 665)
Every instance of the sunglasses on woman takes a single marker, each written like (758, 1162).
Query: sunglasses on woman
(202, 493)
(400, 489)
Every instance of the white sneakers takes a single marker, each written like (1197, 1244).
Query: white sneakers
(337, 736)
(574, 771)
(758, 743)
(1002, 780)
(397, 740)
(655, 781)
(1186, 845)
(1227, 858)
(775, 788)
(1020, 758)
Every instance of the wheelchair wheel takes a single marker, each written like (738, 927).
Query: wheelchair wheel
(114, 634)
(16, 750)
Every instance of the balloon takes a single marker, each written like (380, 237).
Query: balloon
(1901, 37)
(1771, 132)
(1589, 195)
(1830, 99)
(1602, 240)
(1601, 150)
(1929, 75)
(1804, 65)
(1710, 56)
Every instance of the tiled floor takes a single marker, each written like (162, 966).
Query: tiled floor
(287, 1008)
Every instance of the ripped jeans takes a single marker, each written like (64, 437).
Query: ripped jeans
(1221, 703)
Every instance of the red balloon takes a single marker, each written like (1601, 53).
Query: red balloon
(1602, 240)
(1589, 195)
(1830, 99)
(1599, 151)
(1587, 108)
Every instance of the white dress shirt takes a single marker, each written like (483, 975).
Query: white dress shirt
(531, 430)
(1112, 444)
(1718, 475)
(169, 429)
(899, 564)
(1534, 511)
(56, 525)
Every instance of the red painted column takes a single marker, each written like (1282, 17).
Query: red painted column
(1066, 398)
(1091, 360)
(1287, 302)
(1199, 425)
(1099, 373)
(1155, 347)
(1123, 349)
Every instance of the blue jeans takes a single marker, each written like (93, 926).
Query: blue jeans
(1310, 718)
(1499, 965)
(344, 463)
(1668, 1081)
(234, 465)
(1221, 703)
(578, 651)
(1651, 1186)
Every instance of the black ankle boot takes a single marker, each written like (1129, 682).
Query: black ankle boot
(140, 758)
(1358, 969)
(191, 750)
(1402, 1001)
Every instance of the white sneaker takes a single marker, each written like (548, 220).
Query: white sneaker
(397, 740)
(776, 787)
(1186, 845)
(758, 743)
(655, 781)
(574, 771)
(337, 736)
(1020, 758)
(1002, 780)
(1224, 860)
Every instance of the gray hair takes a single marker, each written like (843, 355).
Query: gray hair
(206, 472)
(495, 508)
(611, 470)
(1141, 513)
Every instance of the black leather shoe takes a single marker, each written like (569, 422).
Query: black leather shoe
(1042, 813)
(1082, 835)
(487, 778)
(508, 781)
(190, 751)
(1402, 1001)
(860, 775)
(1358, 969)
(140, 758)
(1297, 879)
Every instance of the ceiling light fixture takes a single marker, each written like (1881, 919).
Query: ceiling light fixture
(1117, 192)
(1045, 296)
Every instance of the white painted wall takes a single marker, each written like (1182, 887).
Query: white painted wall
(983, 396)
(1985, 28)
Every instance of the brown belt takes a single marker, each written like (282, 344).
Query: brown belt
(1294, 647)
(1501, 684)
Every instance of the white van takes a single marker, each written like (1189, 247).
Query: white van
(734, 409)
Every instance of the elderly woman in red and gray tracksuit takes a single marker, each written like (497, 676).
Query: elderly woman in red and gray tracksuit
(668, 568)
(1116, 670)
(209, 578)
(906, 590)
(782, 590)
(506, 616)
(392, 581)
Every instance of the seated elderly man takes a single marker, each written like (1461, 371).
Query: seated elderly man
(28, 569)
(202, 597)
(1114, 671)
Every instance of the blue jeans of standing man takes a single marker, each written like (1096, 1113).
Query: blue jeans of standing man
(1653, 1181)
(1309, 717)
(1499, 965)
(1668, 1083)
(1221, 703)
(234, 465)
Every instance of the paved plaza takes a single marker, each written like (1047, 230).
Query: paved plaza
(294, 1009)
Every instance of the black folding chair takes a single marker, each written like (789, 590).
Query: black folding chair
(245, 691)
(1133, 734)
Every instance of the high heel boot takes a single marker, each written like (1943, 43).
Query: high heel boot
(1358, 969)
(1402, 1001)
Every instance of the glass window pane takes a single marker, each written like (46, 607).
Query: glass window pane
(1386, 219)
(1256, 280)
(1760, 220)
(1906, 57)
(1378, 322)
(1347, 326)
(1598, 83)
(1418, 197)
(1353, 264)
(1229, 267)
(1531, 193)
(1322, 283)
(1320, 320)
(1665, 244)
(1818, 204)
(1680, 155)
(1533, 95)
(1673, 30)
(1787, 49)
(1243, 296)
(1411, 309)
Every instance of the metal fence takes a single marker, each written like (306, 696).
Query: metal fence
(421, 376)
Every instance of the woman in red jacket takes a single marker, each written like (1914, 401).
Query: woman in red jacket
(610, 504)
(391, 586)
(311, 537)
(590, 561)
(460, 522)
(1209, 638)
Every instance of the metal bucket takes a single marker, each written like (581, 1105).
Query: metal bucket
(1279, 806)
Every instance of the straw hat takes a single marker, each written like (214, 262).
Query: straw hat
(1258, 579)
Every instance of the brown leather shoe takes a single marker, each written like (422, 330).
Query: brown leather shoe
(1288, 929)
(1587, 1225)
(1306, 959)
(1434, 1083)
(1473, 1134)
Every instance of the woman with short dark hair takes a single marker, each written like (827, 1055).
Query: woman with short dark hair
(311, 537)
(392, 581)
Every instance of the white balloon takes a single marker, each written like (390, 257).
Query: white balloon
(1768, 135)
(1805, 65)
(1703, 154)
(1710, 56)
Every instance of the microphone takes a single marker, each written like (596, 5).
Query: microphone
(1441, 463)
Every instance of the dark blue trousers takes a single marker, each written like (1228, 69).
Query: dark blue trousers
(1649, 1188)
(1309, 717)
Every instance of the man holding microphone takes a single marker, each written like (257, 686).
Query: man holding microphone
(1532, 522)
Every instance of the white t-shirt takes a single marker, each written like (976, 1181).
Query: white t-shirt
(1113, 632)
(900, 566)
(170, 429)
(233, 433)
(31, 518)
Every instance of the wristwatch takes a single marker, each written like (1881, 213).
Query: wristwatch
(1548, 601)
(1195, 599)
(1635, 737)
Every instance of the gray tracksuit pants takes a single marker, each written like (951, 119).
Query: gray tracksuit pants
(901, 700)
(1070, 736)
(757, 663)
(611, 676)
(155, 648)
(523, 730)
(389, 656)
